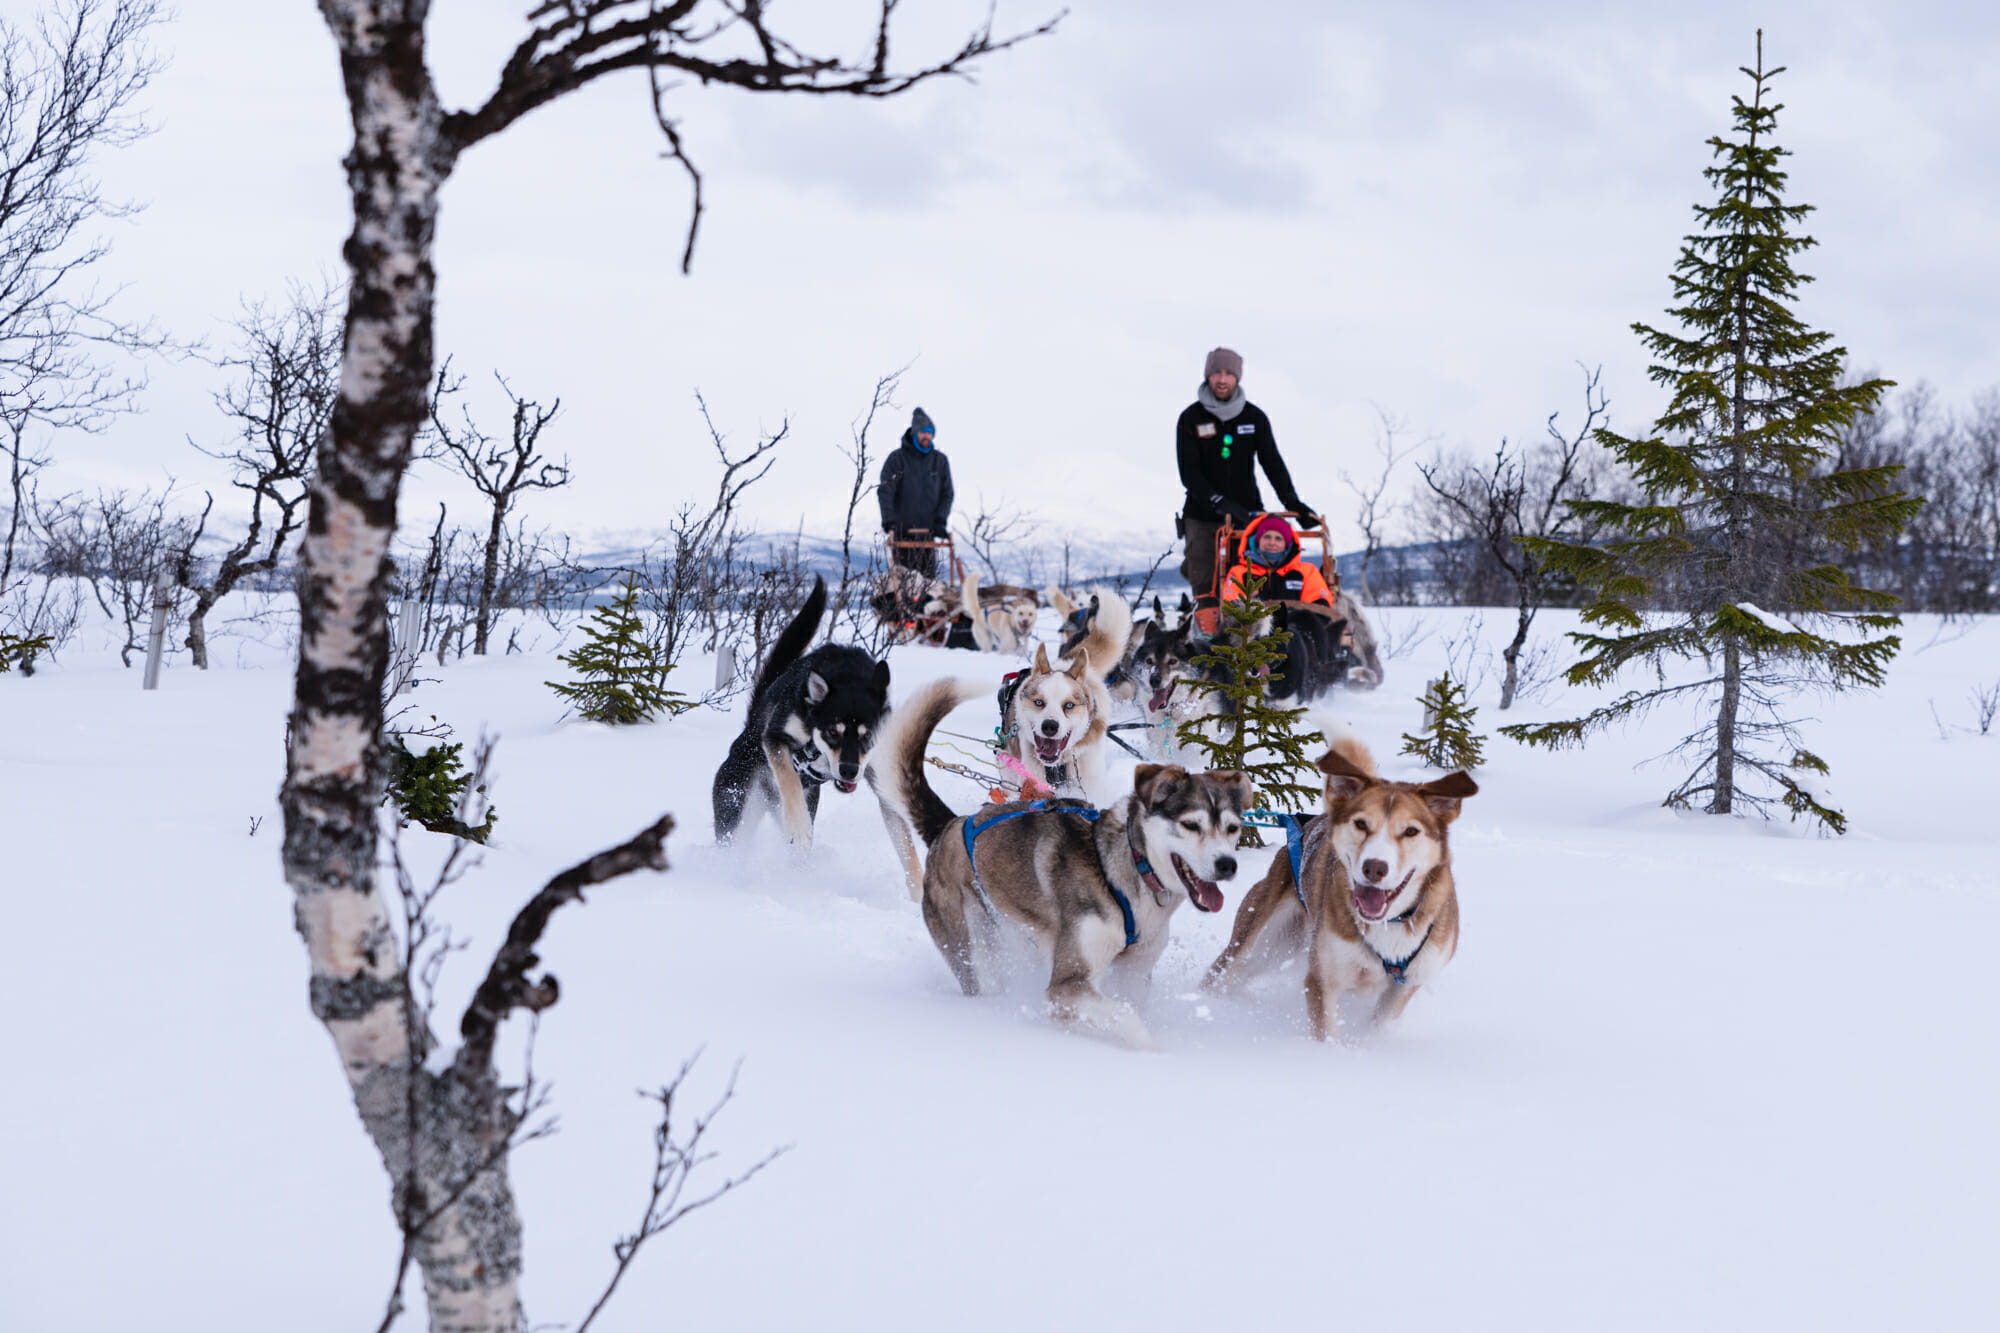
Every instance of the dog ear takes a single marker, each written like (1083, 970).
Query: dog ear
(1344, 781)
(1238, 785)
(815, 687)
(1079, 666)
(1159, 612)
(1444, 795)
(882, 679)
(1042, 667)
(1147, 779)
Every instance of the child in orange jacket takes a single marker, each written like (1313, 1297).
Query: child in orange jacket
(1271, 552)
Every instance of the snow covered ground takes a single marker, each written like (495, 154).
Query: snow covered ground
(1684, 1072)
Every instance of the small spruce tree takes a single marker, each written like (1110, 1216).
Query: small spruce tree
(1447, 739)
(1743, 511)
(623, 678)
(433, 787)
(1253, 736)
(23, 649)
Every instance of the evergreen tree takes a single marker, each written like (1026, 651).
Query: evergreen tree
(1447, 740)
(1253, 736)
(624, 679)
(23, 649)
(1743, 513)
(432, 788)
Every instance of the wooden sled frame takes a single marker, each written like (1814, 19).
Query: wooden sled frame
(910, 624)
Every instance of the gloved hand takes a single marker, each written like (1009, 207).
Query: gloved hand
(1308, 519)
(1229, 509)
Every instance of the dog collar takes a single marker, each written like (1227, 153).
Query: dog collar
(804, 759)
(1147, 875)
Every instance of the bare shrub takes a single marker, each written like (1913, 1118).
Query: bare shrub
(121, 545)
(288, 366)
(501, 471)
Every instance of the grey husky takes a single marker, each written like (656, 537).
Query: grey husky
(1093, 888)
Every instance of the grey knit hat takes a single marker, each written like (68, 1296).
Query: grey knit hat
(921, 420)
(1222, 361)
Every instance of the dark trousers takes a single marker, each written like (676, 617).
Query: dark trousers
(1198, 565)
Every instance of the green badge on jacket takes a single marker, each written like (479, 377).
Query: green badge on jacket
(1227, 440)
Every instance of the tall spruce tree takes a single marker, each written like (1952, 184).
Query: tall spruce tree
(1743, 513)
(1254, 736)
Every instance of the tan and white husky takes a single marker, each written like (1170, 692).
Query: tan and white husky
(1376, 909)
(1054, 720)
(1003, 621)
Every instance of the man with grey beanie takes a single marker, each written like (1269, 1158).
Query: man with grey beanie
(1216, 439)
(916, 494)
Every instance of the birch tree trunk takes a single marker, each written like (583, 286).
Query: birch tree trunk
(442, 1137)
(489, 574)
(444, 1133)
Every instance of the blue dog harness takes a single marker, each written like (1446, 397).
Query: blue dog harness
(1297, 847)
(974, 827)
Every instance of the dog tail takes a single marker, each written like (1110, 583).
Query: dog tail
(1342, 740)
(1065, 608)
(1110, 632)
(968, 603)
(792, 644)
(902, 744)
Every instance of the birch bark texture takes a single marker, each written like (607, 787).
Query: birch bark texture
(444, 1134)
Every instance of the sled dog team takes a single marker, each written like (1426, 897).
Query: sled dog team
(1364, 893)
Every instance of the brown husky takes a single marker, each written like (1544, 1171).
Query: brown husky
(1377, 912)
(1093, 888)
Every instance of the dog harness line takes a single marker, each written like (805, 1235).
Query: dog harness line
(974, 827)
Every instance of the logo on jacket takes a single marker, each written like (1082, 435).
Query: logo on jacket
(1204, 430)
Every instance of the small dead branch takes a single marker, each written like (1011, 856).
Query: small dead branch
(675, 1162)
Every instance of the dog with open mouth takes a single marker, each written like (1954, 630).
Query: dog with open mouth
(1054, 720)
(1374, 907)
(1094, 888)
(813, 718)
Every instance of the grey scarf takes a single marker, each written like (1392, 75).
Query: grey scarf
(1220, 410)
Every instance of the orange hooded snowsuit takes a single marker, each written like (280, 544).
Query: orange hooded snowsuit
(1287, 578)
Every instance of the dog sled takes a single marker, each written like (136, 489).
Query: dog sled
(1353, 660)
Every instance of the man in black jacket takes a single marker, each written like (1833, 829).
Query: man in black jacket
(1215, 441)
(916, 494)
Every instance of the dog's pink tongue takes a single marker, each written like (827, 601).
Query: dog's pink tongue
(1160, 697)
(1206, 894)
(1048, 751)
(1373, 900)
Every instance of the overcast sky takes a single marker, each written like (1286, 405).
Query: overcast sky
(1432, 211)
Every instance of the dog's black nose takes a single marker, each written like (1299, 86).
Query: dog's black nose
(1374, 870)
(1225, 867)
(849, 772)
(1050, 726)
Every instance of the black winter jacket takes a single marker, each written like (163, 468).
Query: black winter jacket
(1215, 458)
(915, 488)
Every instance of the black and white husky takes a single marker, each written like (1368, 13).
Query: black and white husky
(813, 718)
